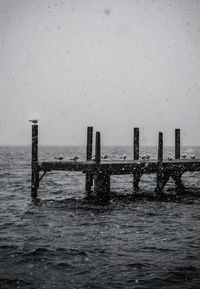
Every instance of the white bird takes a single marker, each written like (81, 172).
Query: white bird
(74, 158)
(192, 157)
(184, 156)
(104, 157)
(145, 157)
(124, 156)
(148, 156)
(60, 158)
(93, 158)
(170, 158)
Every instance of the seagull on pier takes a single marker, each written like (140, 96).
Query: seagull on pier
(192, 157)
(74, 158)
(170, 158)
(148, 156)
(34, 120)
(124, 156)
(145, 157)
(184, 156)
(104, 157)
(60, 158)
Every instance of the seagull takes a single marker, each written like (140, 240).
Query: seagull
(145, 157)
(124, 156)
(60, 158)
(105, 157)
(192, 157)
(170, 158)
(148, 156)
(93, 158)
(184, 156)
(74, 158)
(34, 120)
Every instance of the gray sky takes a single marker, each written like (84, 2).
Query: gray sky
(113, 64)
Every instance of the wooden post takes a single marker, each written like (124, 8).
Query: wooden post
(101, 179)
(136, 143)
(89, 176)
(89, 143)
(177, 144)
(137, 175)
(34, 164)
(98, 148)
(160, 164)
(177, 174)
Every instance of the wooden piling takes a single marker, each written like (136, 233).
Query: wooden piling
(160, 164)
(177, 144)
(177, 175)
(89, 143)
(102, 186)
(101, 179)
(136, 143)
(136, 149)
(34, 164)
(98, 148)
(89, 175)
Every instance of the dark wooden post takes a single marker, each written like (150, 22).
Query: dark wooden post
(89, 143)
(176, 176)
(34, 164)
(160, 164)
(101, 179)
(136, 143)
(177, 144)
(89, 176)
(98, 148)
(136, 148)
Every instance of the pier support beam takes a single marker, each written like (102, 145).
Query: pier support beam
(178, 181)
(89, 175)
(102, 186)
(34, 163)
(136, 149)
(101, 179)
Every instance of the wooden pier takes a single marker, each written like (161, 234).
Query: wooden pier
(98, 171)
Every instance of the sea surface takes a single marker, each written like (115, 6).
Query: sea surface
(63, 241)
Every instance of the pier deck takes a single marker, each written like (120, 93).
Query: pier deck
(118, 167)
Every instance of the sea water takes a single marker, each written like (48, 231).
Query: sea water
(64, 241)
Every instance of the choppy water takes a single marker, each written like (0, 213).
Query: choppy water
(64, 242)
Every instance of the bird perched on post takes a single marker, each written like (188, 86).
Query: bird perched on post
(34, 120)
(192, 157)
(60, 158)
(170, 158)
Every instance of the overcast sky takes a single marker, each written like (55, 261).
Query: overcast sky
(113, 64)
